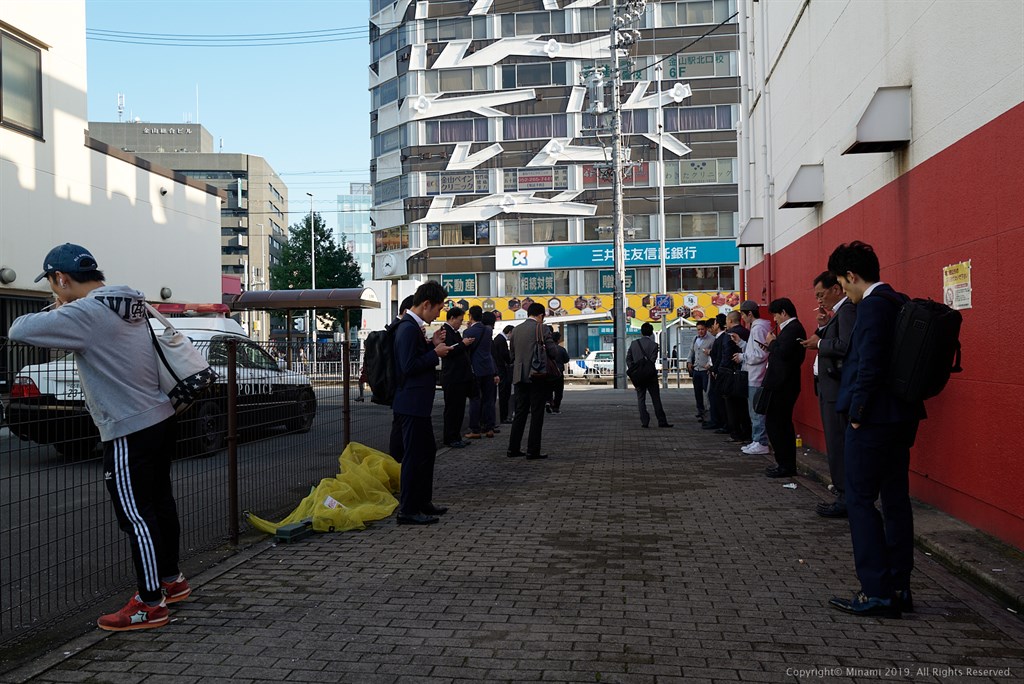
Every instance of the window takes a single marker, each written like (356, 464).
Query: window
(699, 171)
(390, 239)
(390, 190)
(693, 12)
(389, 141)
(534, 283)
(603, 281)
(456, 28)
(389, 91)
(699, 225)
(456, 130)
(595, 19)
(21, 83)
(636, 227)
(458, 182)
(529, 75)
(456, 80)
(700, 64)
(717, 278)
(527, 231)
(447, 234)
(528, 23)
(600, 176)
(535, 127)
(698, 118)
(551, 178)
(632, 122)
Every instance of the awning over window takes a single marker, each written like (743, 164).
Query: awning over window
(885, 124)
(751, 233)
(807, 189)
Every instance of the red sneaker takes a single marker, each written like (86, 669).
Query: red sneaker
(135, 615)
(175, 591)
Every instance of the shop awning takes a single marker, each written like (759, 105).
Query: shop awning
(751, 233)
(281, 300)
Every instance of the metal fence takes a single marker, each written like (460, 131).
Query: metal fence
(60, 547)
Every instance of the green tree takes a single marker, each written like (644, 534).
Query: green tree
(335, 265)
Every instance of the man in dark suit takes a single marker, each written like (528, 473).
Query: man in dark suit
(881, 430)
(415, 361)
(485, 376)
(396, 424)
(836, 317)
(782, 379)
(531, 392)
(716, 405)
(457, 380)
(503, 361)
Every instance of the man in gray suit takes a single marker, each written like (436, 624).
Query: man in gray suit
(531, 391)
(836, 318)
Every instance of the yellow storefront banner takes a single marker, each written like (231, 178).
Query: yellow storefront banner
(693, 306)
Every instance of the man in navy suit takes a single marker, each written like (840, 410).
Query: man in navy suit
(415, 363)
(782, 378)
(880, 433)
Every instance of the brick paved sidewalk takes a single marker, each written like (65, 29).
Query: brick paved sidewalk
(659, 555)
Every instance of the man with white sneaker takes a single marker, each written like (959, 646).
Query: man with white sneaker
(754, 356)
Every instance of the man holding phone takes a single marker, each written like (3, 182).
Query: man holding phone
(754, 355)
(836, 318)
(415, 361)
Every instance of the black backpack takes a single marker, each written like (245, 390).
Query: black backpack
(379, 360)
(926, 348)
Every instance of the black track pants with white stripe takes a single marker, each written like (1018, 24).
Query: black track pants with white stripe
(137, 470)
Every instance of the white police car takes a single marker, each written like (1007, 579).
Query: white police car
(47, 403)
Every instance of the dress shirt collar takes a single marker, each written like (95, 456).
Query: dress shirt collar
(786, 322)
(419, 321)
(839, 304)
(871, 289)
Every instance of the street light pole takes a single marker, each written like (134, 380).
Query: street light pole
(312, 264)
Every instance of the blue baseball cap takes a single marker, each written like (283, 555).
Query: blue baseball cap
(68, 258)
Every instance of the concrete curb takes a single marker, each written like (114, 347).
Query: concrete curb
(992, 566)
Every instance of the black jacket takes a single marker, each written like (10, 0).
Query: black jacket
(455, 367)
(785, 356)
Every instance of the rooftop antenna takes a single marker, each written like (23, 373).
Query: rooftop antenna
(120, 106)
(221, 145)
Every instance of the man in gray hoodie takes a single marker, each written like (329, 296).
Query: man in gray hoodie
(107, 328)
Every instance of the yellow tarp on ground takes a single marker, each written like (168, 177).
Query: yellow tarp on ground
(361, 491)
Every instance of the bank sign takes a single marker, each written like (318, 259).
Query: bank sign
(677, 253)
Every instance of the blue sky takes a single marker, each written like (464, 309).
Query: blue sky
(305, 108)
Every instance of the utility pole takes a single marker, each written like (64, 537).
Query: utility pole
(619, 38)
(618, 228)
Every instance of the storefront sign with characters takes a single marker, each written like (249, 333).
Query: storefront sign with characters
(694, 306)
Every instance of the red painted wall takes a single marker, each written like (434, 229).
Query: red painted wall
(966, 202)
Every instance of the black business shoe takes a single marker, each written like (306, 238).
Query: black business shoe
(722, 431)
(535, 457)
(664, 424)
(457, 445)
(833, 510)
(431, 509)
(418, 519)
(710, 426)
(867, 606)
(644, 426)
(905, 600)
(776, 472)
(514, 454)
